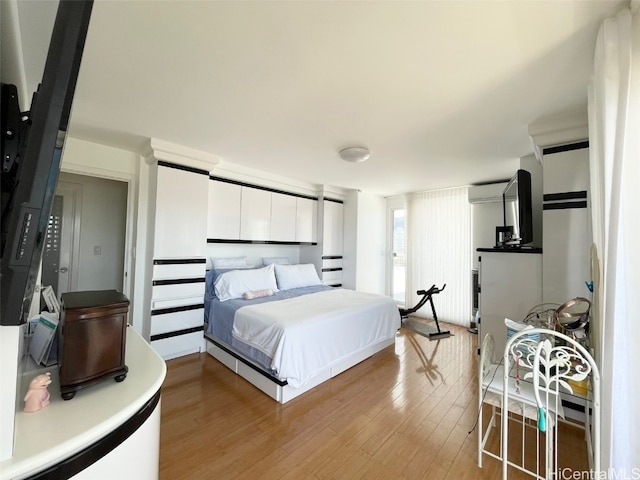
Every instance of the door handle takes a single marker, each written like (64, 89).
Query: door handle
(63, 270)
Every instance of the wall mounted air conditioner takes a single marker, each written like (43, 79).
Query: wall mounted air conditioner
(491, 192)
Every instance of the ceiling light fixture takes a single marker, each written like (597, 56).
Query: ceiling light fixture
(354, 154)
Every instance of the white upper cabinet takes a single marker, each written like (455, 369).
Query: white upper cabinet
(306, 219)
(181, 213)
(255, 218)
(224, 210)
(566, 171)
(283, 217)
(248, 213)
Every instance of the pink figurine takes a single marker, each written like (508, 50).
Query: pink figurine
(38, 396)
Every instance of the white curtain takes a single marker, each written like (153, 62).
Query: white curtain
(439, 252)
(614, 135)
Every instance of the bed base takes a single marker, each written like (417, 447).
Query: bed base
(278, 389)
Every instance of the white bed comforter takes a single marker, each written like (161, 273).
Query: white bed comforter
(306, 334)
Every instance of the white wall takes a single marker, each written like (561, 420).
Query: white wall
(486, 215)
(81, 156)
(484, 219)
(10, 347)
(364, 242)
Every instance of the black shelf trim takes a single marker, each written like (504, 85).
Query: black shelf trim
(508, 249)
(177, 333)
(177, 281)
(564, 205)
(565, 148)
(178, 261)
(257, 242)
(549, 197)
(574, 406)
(181, 308)
(177, 166)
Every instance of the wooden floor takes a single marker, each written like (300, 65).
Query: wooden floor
(405, 413)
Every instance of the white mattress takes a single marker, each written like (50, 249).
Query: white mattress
(304, 335)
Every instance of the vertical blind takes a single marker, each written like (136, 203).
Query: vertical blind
(439, 242)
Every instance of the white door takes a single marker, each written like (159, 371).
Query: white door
(59, 257)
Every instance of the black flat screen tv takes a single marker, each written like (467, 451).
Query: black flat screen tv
(517, 210)
(32, 145)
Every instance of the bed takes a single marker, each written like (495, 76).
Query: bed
(281, 329)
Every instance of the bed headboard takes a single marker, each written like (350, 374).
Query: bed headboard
(253, 252)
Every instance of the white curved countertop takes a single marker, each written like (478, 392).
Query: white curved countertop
(63, 428)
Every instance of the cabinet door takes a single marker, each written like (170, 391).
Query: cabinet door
(566, 256)
(566, 171)
(255, 219)
(283, 217)
(511, 285)
(306, 219)
(333, 228)
(181, 213)
(224, 210)
(566, 237)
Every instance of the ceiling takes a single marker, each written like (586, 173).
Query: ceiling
(441, 92)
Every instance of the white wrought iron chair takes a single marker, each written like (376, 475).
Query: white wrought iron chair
(490, 392)
(548, 361)
(488, 369)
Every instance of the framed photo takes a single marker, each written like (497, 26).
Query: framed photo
(51, 300)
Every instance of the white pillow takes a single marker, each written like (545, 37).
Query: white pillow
(296, 276)
(229, 262)
(236, 282)
(275, 260)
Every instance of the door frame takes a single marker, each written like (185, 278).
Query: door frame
(393, 203)
(72, 191)
(129, 249)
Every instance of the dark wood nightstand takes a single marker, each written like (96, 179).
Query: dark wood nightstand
(91, 346)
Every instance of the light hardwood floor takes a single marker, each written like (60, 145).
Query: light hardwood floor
(404, 413)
